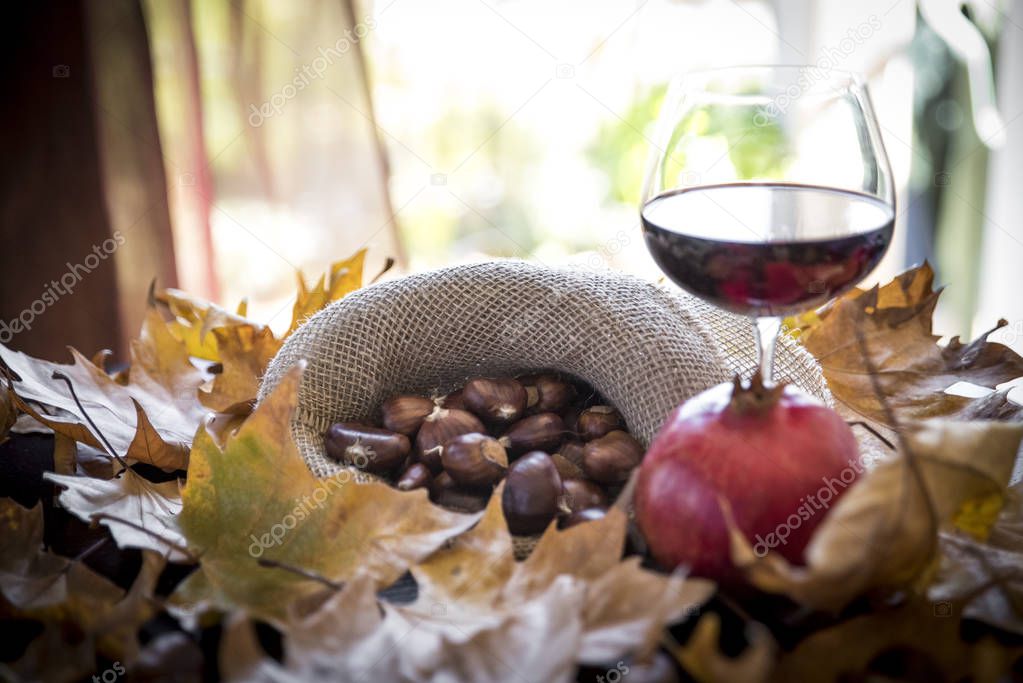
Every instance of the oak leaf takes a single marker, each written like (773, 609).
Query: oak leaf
(912, 370)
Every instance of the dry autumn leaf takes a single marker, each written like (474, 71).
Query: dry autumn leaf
(150, 419)
(479, 615)
(124, 504)
(912, 371)
(921, 632)
(193, 319)
(343, 278)
(244, 353)
(29, 576)
(702, 658)
(104, 619)
(884, 531)
(255, 499)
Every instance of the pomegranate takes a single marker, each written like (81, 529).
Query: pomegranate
(777, 455)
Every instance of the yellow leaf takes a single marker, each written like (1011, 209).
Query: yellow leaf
(255, 499)
(977, 515)
(343, 278)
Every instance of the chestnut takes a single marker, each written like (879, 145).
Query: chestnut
(580, 494)
(597, 421)
(566, 468)
(546, 393)
(496, 401)
(612, 457)
(439, 427)
(587, 515)
(474, 460)
(404, 414)
(453, 401)
(369, 448)
(573, 452)
(445, 491)
(540, 432)
(531, 492)
(416, 476)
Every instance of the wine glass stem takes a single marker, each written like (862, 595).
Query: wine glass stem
(766, 330)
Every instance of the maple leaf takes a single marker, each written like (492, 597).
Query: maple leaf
(139, 513)
(194, 318)
(150, 419)
(479, 615)
(903, 357)
(883, 533)
(255, 499)
(68, 598)
(244, 352)
(343, 278)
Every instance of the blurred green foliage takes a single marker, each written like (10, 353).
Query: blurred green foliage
(621, 146)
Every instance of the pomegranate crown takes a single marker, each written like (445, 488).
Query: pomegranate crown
(754, 396)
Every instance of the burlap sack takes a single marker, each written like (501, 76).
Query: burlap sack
(645, 348)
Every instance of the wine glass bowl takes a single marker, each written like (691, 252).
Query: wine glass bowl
(768, 191)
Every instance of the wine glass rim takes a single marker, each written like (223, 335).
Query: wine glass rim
(818, 79)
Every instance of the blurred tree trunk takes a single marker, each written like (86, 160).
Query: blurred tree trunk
(83, 211)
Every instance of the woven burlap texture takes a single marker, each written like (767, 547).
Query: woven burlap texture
(644, 347)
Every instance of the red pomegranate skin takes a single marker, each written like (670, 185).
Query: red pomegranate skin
(791, 457)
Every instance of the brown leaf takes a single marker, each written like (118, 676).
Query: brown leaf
(126, 503)
(882, 533)
(703, 660)
(150, 419)
(913, 371)
(94, 620)
(29, 577)
(928, 632)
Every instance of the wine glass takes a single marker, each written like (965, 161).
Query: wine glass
(768, 191)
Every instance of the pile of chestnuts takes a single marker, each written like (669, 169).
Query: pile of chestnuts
(562, 453)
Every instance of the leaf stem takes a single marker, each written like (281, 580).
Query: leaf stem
(869, 428)
(71, 387)
(304, 573)
(138, 527)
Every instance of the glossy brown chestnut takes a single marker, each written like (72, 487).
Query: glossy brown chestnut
(496, 401)
(369, 448)
(540, 432)
(416, 476)
(531, 492)
(612, 457)
(580, 494)
(587, 515)
(438, 428)
(474, 460)
(404, 414)
(445, 491)
(547, 393)
(597, 421)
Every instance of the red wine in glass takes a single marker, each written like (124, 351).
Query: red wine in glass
(766, 249)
